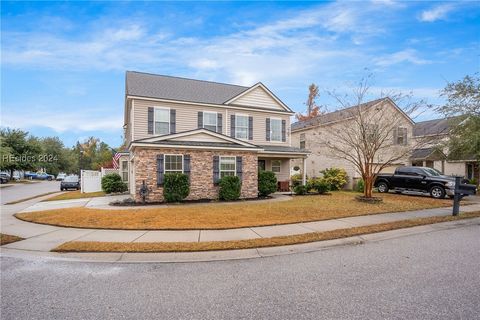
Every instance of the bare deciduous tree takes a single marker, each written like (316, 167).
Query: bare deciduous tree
(371, 135)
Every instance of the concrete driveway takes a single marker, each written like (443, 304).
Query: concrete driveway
(19, 191)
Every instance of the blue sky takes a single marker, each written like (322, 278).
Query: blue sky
(63, 63)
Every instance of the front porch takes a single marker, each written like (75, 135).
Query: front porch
(278, 160)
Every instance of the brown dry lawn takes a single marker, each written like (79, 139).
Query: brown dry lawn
(6, 239)
(230, 215)
(68, 195)
(84, 246)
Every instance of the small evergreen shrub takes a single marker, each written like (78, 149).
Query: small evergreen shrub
(300, 189)
(230, 188)
(267, 183)
(336, 178)
(296, 179)
(360, 186)
(112, 182)
(176, 187)
(473, 181)
(318, 185)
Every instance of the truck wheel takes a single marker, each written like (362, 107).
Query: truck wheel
(437, 192)
(382, 187)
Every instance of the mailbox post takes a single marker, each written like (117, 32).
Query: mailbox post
(457, 197)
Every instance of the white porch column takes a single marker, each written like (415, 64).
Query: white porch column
(304, 171)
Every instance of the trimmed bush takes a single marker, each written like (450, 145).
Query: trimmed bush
(230, 188)
(360, 186)
(300, 189)
(296, 179)
(176, 187)
(267, 183)
(318, 185)
(336, 178)
(112, 182)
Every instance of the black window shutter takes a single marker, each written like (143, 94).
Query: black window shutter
(200, 119)
(405, 136)
(284, 130)
(150, 120)
(395, 133)
(267, 129)
(219, 123)
(216, 169)
(173, 126)
(232, 126)
(250, 128)
(239, 168)
(186, 164)
(160, 171)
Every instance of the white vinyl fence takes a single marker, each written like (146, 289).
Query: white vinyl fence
(91, 181)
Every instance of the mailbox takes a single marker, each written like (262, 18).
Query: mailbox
(461, 190)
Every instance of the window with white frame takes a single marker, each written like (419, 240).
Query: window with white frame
(275, 130)
(210, 121)
(228, 166)
(124, 170)
(162, 121)
(302, 140)
(173, 163)
(241, 127)
(276, 165)
(401, 138)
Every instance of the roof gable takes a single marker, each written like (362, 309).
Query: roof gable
(197, 135)
(258, 96)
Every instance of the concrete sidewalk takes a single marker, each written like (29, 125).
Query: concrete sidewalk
(44, 238)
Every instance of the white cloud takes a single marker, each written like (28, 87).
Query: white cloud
(436, 13)
(407, 55)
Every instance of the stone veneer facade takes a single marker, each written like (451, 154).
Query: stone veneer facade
(201, 172)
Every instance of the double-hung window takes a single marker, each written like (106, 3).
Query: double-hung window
(124, 170)
(302, 141)
(173, 163)
(275, 130)
(162, 121)
(276, 165)
(401, 138)
(210, 121)
(241, 127)
(227, 166)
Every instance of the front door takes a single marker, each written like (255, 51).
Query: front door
(261, 165)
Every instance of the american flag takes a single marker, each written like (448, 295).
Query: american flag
(115, 160)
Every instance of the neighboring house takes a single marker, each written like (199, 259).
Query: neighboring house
(435, 154)
(206, 130)
(313, 133)
(426, 140)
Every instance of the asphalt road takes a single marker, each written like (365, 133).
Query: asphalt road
(22, 190)
(425, 276)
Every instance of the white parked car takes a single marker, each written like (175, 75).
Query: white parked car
(61, 176)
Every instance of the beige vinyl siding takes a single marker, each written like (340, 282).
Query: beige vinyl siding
(258, 97)
(187, 119)
(259, 126)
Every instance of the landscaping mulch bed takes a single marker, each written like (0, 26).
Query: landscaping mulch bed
(6, 239)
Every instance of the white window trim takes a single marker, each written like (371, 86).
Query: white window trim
(271, 131)
(216, 119)
(401, 128)
(220, 165)
(154, 119)
(248, 124)
(122, 171)
(279, 167)
(165, 162)
(304, 140)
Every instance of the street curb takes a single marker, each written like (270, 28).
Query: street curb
(242, 254)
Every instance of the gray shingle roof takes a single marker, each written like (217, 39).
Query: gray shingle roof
(182, 89)
(283, 149)
(427, 153)
(432, 127)
(332, 116)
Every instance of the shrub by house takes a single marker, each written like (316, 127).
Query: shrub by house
(267, 183)
(176, 187)
(112, 183)
(230, 188)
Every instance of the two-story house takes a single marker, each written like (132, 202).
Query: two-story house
(206, 130)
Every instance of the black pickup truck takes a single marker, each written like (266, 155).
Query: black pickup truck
(421, 179)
